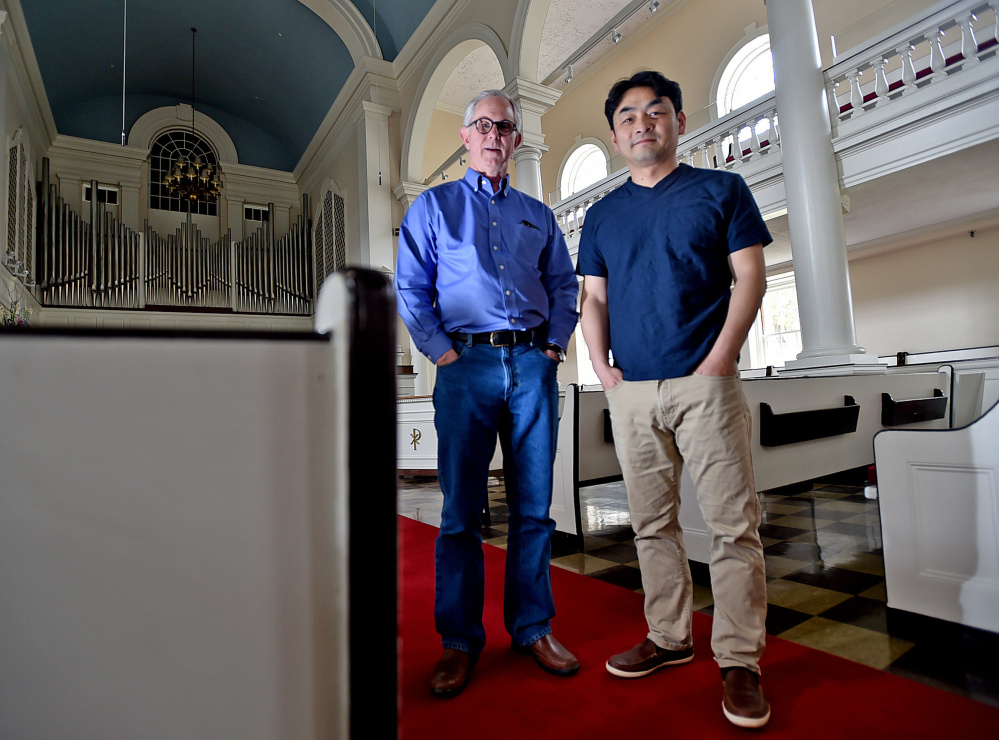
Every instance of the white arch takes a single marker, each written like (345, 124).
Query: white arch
(352, 27)
(581, 142)
(150, 125)
(753, 32)
(445, 59)
(525, 44)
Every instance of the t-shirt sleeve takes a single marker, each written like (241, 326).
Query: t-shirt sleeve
(589, 260)
(746, 226)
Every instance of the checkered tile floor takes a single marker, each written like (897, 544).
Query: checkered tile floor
(825, 577)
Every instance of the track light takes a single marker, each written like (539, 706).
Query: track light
(615, 36)
(461, 161)
(443, 175)
(653, 6)
(568, 74)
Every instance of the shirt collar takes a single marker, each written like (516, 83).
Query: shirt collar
(479, 182)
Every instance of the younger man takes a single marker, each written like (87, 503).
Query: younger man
(658, 256)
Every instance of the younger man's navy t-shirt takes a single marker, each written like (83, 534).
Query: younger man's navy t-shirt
(664, 252)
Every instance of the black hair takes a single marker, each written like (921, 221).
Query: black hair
(661, 86)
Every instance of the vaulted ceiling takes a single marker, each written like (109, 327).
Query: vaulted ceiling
(266, 70)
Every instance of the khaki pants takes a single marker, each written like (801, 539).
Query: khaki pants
(703, 422)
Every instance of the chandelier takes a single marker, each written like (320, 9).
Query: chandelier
(190, 178)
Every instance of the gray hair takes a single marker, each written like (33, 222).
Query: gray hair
(518, 117)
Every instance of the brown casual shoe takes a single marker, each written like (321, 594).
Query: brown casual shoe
(550, 655)
(451, 673)
(646, 657)
(744, 705)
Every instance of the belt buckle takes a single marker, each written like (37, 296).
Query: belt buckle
(492, 338)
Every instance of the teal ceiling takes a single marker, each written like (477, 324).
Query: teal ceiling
(267, 70)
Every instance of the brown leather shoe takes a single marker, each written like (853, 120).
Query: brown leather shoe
(646, 657)
(550, 655)
(451, 673)
(744, 705)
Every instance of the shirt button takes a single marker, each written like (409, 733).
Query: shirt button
(508, 292)
(495, 247)
(494, 223)
(502, 267)
(493, 201)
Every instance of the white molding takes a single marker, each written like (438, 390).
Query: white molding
(27, 77)
(446, 57)
(159, 120)
(348, 23)
(525, 42)
(372, 81)
(751, 33)
(427, 39)
(73, 158)
(579, 142)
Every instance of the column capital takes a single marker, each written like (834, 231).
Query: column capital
(368, 111)
(406, 192)
(533, 98)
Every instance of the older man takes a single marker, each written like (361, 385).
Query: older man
(486, 287)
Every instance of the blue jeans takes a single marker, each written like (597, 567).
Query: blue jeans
(512, 392)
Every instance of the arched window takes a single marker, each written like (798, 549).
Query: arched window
(586, 164)
(162, 155)
(748, 75)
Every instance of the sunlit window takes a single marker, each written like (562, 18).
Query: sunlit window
(586, 165)
(749, 75)
(776, 334)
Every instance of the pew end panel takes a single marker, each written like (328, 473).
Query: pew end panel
(175, 529)
(939, 498)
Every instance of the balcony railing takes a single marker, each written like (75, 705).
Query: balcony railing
(906, 63)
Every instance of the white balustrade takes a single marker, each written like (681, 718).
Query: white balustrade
(922, 54)
(899, 64)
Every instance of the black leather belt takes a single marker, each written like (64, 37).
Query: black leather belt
(504, 338)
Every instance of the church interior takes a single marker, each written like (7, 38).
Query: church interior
(306, 128)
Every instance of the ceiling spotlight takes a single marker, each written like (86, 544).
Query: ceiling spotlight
(615, 36)
(443, 175)
(568, 74)
(461, 161)
(653, 6)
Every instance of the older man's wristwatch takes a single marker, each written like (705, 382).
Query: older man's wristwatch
(557, 350)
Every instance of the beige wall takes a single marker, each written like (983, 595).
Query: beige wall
(442, 141)
(689, 47)
(935, 296)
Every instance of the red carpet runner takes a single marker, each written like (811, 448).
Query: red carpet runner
(812, 694)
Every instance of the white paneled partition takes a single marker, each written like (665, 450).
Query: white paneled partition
(939, 498)
(175, 529)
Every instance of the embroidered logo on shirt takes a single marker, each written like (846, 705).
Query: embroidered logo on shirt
(529, 225)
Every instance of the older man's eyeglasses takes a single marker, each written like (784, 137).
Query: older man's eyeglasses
(485, 125)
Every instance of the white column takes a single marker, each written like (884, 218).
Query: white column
(535, 100)
(527, 161)
(375, 206)
(811, 182)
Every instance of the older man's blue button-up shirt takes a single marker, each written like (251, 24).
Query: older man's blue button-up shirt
(472, 260)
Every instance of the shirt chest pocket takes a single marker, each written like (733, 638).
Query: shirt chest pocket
(527, 244)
